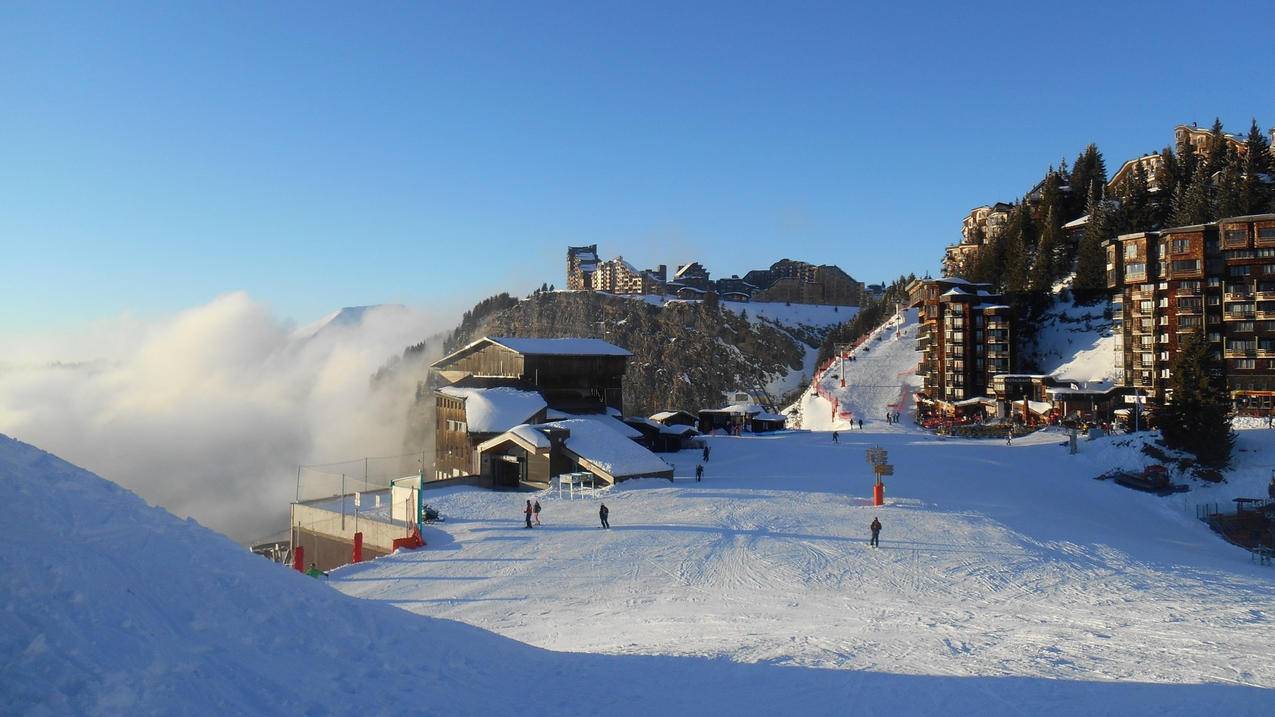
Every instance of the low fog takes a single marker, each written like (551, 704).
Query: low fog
(209, 412)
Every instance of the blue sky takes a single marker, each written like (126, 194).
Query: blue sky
(316, 155)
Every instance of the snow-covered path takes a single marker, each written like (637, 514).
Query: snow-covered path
(881, 377)
(995, 560)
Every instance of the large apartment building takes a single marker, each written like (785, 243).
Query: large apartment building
(965, 338)
(1217, 279)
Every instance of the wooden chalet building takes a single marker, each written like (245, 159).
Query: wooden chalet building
(496, 383)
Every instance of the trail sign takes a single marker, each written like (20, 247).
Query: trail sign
(883, 469)
(876, 456)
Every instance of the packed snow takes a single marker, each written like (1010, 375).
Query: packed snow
(881, 378)
(1003, 564)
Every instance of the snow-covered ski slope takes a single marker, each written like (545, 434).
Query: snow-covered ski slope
(1008, 563)
(881, 378)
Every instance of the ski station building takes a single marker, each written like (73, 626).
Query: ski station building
(519, 411)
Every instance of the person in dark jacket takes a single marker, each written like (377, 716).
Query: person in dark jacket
(860, 424)
(876, 533)
(834, 437)
(699, 472)
(527, 513)
(535, 509)
(603, 512)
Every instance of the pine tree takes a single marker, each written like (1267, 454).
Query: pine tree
(1198, 416)
(1046, 267)
(1091, 259)
(1218, 150)
(1257, 160)
(1230, 199)
(1136, 212)
(1193, 203)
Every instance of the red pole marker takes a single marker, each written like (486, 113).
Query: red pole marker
(298, 559)
(358, 547)
(878, 493)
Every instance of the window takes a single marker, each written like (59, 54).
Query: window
(1266, 233)
(1188, 322)
(457, 426)
(1236, 236)
(1190, 303)
(1136, 270)
(1185, 265)
(1131, 251)
(1244, 364)
(1239, 270)
(1180, 246)
(1146, 307)
(1244, 327)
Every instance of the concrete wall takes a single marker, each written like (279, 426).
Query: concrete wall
(376, 534)
(329, 552)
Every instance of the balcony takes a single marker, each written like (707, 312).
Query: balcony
(1239, 315)
(1245, 352)
(1237, 296)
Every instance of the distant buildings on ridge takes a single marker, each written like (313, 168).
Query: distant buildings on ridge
(786, 280)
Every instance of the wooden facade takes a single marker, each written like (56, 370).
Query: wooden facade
(965, 338)
(573, 383)
(1215, 279)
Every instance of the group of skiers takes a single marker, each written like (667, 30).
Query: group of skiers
(532, 510)
(892, 417)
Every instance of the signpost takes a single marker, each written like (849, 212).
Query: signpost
(877, 459)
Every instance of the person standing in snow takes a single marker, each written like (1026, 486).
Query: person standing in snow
(536, 510)
(834, 437)
(699, 472)
(860, 424)
(527, 513)
(876, 533)
(603, 512)
(705, 451)
(1009, 436)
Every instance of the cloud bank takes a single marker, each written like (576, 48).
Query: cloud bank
(208, 413)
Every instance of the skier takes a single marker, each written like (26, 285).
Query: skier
(603, 512)
(536, 510)
(834, 437)
(527, 513)
(1009, 436)
(699, 472)
(315, 572)
(705, 452)
(860, 424)
(876, 533)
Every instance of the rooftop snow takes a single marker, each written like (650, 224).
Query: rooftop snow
(1076, 222)
(531, 435)
(560, 347)
(598, 443)
(495, 410)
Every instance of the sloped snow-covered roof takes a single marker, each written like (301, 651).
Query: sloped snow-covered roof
(610, 451)
(610, 422)
(677, 429)
(560, 347)
(956, 291)
(1080, 222)
(496, 410)
(768, 416)
(665, 415)
(532, 435)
